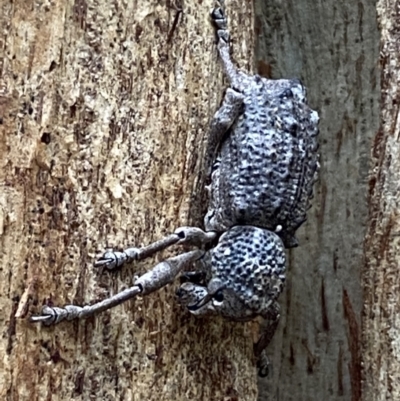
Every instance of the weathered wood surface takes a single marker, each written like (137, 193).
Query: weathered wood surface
(381, 328)
(104, 110)
(333, 47)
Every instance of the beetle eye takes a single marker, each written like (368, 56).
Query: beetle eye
(219, 296)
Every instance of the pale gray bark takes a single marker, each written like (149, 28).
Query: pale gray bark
(333, 47)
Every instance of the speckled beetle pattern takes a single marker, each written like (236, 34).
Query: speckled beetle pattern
(267, 165)
(262, 160)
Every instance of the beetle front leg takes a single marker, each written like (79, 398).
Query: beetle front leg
(158, 277)
(189, 295)
(271, 317)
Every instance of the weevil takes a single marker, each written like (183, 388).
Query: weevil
(262, 159)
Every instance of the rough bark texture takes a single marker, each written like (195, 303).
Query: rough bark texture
(381, 329)
(104, 108)
(333, 47)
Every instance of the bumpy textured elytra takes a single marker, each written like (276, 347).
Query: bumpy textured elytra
(262, 158)
(267, 163)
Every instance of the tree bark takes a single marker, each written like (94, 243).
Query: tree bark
(104, 109)
(333, 47)
(381, 328)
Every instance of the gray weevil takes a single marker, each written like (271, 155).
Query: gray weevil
(262, 158)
